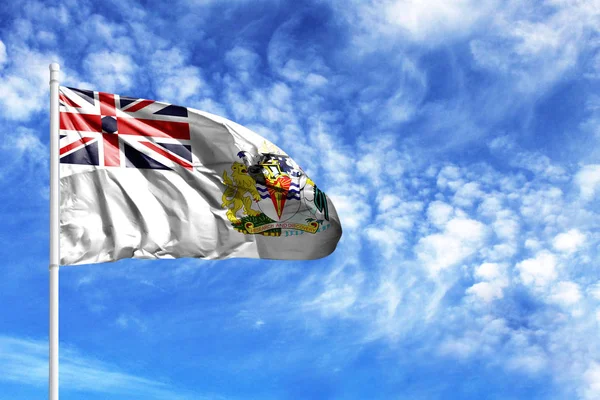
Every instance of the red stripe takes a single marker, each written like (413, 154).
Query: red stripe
(148, 127)
(111, 150)
(107, 104)
(168, 155)
(67, 101)
(139, 105)
(73, 145)
(80, 122)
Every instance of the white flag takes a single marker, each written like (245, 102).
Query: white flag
(145, 179)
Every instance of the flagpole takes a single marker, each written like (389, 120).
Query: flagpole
(54, 235)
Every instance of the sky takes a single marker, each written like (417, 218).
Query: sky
(458, 140)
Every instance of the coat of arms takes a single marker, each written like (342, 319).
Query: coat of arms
(268, 193)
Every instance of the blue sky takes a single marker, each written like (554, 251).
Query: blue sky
(459, 141)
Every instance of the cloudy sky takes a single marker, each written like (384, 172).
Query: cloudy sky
(458, 139)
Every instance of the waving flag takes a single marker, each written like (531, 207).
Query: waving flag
(145, 179)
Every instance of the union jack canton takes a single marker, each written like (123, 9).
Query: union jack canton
(109, 130)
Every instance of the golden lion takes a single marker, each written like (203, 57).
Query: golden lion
(235, 197)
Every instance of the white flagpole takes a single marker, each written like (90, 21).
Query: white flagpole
(54, 234)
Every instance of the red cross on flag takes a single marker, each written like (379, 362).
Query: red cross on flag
(98, 128)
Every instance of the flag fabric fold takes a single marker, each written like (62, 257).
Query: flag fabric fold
(146, 179)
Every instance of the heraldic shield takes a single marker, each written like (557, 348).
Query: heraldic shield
(268, 194)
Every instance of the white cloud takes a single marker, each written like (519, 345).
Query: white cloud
(506, 228)
(47, 38)
(568, 242)
(24, 90)
(426, 22)
(592, 379)
(289, 57)
(108, 34)
(409, 85)
(467, 229)
(594, 290)
(489, 271)
(280, 93)
(493, 281)
(565, 293)
(531, 53)
(532, 244)
(530, 360)
(209, 105)
(386, 238)
(431, 19)
(450, 177)
(461, 239)
(26, 363)
(507, 148)
(394, 222)
(25, 143)
(480, 338)
(354, 212)
(389, 95)
(460, 348)
(316, 80)
(543, 206)
(439, 213)
(388, 201)
(539, 270)
(588, 181)
(3, 56)
(490, 206)
(335, 300)
(341, 292)
(38, 11)
(111, 71)
(466, 194)
(500, 252)
(176, 81)
(424, 19)
(486, 291)
(244, 61)
(536, 38)
(379, 161)
(24, 158)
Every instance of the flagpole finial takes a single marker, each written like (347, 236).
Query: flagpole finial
(54, 71)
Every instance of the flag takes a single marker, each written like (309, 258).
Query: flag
(146, 179)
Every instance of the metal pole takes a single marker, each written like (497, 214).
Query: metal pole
(54, 234)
